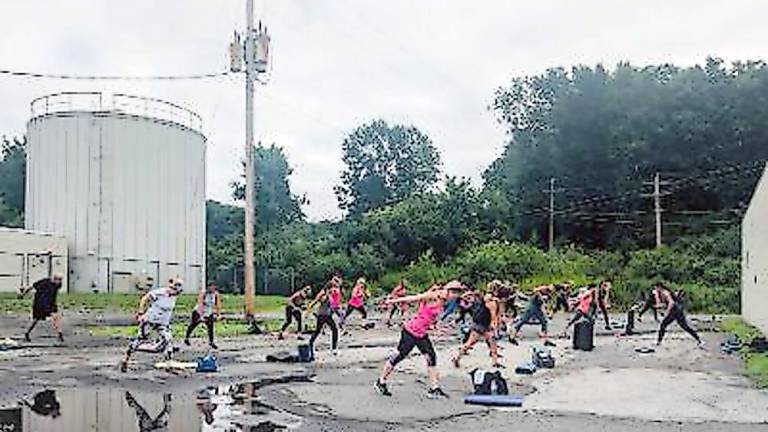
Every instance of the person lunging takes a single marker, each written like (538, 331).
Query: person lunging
(485, 318)
(535, 311)
(294, 309)
(324, 317)
(44, 304)
(154, 315)
(207, 310)
(675, 313)
(415, 335)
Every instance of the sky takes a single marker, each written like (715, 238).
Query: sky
(337, 64)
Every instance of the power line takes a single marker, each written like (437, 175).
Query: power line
(38, 75)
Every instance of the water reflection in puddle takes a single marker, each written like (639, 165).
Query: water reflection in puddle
(227, 408)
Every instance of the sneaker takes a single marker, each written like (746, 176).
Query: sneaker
(381, 388)
(280, 336)
(549, 343)
(335, 352)
(437, 393)
(123, 366)
(608, 328)
(213, 345)
(27, 338)
(513, 341)
(455, 361)
(498, 366)
(186, 342)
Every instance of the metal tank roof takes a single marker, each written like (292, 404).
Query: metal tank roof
(116, 103)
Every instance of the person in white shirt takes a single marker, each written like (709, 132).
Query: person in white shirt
(155, 314)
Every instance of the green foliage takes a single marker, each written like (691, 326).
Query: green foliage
(275, 204)
(703, 126)
(12, 177)
(756, 363)
(385, 164)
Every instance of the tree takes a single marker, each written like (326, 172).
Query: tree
(13, 167)
(603, 133)
(275, 204)
(385, 164)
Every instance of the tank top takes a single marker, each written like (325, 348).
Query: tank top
(481, 315)
(585, 303)
(209, 302)
(335, 298)
(425, 318)
(357, 296)
(325, 306)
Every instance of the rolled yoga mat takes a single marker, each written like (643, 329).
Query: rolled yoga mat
(494, 400)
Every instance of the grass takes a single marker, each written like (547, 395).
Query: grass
(88, 302)
(756, 364)
(224, 329)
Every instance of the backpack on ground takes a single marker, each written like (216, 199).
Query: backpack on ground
(208, 363)
(542, 358)
(488, 383)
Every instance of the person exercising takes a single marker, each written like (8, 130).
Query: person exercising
(652, 302)
(485, 319)
(44, 304)
(294, 309)
(324, 317)
(207, 310)
(155, 314)
(357, 300)
(415, 334)
(399, 291)
(535, 310)
(675, 313)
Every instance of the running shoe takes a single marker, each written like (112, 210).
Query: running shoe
(455, 362)
(513, 341)
(123, 366)
(186, 342)
(213, 345)
(498, 366)
(437, 393)
(381, 388)
(549, 343)
(702, 345)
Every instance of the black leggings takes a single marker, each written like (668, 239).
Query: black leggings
(196, 320)
(394, 309)
(604, 311)
(360, 309)
(650, 303)
(576, 316)
(677, 314)
(463, 312)
(322, 321)
(291, 313)
(406, 345)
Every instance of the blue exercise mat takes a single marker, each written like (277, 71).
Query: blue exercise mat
(494, 400)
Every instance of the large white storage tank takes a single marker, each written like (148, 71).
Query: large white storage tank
(123, 179)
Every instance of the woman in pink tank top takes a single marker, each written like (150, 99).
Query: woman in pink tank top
(357, 301)
(415, 334)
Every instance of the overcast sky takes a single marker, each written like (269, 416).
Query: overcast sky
(338, 63)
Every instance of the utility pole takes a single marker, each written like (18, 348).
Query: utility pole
(656, 195)
(552, 191)
(657, 206)
(256, 53)
(250, 282)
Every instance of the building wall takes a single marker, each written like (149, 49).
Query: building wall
(27, 256)
(127, 192)
(754, 263)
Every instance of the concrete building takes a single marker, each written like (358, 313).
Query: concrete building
(122, 178)
(754, 261)
(27, 256)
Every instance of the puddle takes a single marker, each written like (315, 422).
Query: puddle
(224, 408)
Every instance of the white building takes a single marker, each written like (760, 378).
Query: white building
(754, 262)
(27, 256)
(122, 178)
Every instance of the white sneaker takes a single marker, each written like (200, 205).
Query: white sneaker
(702, 345)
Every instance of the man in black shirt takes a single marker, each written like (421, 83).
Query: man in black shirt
(44, 304)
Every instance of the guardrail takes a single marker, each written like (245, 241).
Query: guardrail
(117, 102)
